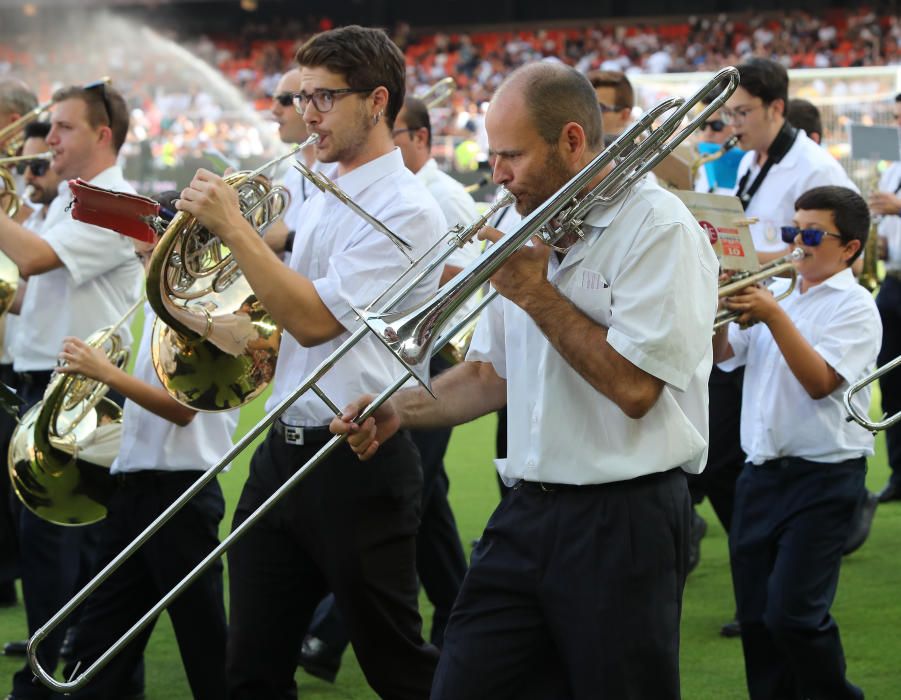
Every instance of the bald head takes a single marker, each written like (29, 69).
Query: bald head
(554, 95)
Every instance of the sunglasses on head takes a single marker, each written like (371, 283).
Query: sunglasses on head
(716, 124)
(285, 99)
(100, 88)
(809, 236)
(38, 167)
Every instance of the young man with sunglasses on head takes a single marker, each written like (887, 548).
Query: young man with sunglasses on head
(347, 528)
(80, 278)
(797, 495)
(781, 161)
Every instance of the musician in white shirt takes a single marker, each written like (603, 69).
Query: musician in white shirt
(602, 357)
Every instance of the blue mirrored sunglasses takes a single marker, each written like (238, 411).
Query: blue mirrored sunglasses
(809, 236)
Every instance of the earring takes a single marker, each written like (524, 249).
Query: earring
(376, 118)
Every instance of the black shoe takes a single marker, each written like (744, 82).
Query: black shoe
(860, 529)
(696, 531)
(318, 659)
(8, 596)
(731, 629)
(15, 648)
(891, 492)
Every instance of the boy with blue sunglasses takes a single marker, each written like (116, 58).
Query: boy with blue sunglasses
(796, 496)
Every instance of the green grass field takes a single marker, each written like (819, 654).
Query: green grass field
(868, 607)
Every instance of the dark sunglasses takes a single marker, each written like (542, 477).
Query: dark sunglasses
(285, 99)
(38, 167)
(100, 86)
(809, 236)
(611, 108)
(716, 124)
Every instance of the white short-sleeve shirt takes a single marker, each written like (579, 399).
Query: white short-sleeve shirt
(839, 319)
(350, 263)
(647, 272)
(152, 442)
(889, 226)
(804, 166)
(99, 281)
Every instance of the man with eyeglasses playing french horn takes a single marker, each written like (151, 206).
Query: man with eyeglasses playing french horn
(347, 528)
(80, 278)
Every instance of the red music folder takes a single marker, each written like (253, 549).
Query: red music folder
(128, 214)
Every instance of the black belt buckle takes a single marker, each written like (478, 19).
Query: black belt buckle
(299, 435)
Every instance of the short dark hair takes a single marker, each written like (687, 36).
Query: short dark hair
(365, 57)
(898, 97)
(765, 79)
(624, 94)
(849, 209)
(556, 95)
(106, 107)
(36, 130)
(804, 115)
(416, 114)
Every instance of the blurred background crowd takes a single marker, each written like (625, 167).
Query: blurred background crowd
(197, 95)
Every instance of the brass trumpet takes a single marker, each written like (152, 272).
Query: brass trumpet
(861, 418)
(414, 336)
(742, 280)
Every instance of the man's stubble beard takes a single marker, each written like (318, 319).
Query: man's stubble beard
(555, 175)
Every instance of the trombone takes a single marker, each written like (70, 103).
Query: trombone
(438, 93)
(560, 214)
(861, 418)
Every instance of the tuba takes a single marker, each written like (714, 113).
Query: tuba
(61, 450)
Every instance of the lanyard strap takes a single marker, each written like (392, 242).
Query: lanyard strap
(781, 145)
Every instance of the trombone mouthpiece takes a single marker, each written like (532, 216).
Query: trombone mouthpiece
(730, 143)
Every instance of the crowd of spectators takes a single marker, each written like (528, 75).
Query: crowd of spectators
(195, 95)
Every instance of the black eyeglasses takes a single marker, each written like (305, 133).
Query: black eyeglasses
(809, 236)
(716, 124)
(285, 99)
(107, 108)
(323, 99)
(408, 130)
(611, 108)
(38, 167)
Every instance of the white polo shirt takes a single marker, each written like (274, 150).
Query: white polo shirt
(889, 226)
(350, 264)
(34, 223)
(152, 442)
(457, 205)
(806, 165)
(839, 319)
(100, 280)
(647, 272)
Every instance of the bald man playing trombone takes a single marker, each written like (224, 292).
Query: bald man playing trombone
(601, 352)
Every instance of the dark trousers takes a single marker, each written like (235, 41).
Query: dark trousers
(889, 303)
(573, 593)
(55, 562)
(790, 524)
(725, 458)
(9, 545)
(440, 561)
(349, 528)
(198, 614)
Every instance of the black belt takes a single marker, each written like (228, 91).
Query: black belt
(301, 435)
(550, 488)
(150, 475)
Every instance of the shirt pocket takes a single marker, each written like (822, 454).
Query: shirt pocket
(590, 292)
